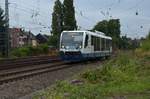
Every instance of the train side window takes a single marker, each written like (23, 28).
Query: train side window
(107, 44)
(86, 41)
(92, 40)
(103, 44)
(98, 43)
(110, 44)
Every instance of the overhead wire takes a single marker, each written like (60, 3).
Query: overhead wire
(79, 12)
(25, 10)
(30, 12)
(132, 7)
(82, 15)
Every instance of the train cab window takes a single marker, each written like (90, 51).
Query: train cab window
(86, 41)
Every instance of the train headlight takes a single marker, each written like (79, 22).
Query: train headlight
(80, 46)
(62, 46)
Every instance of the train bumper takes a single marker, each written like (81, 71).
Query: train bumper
(71, 56)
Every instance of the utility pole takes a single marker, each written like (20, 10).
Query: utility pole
(7, 40)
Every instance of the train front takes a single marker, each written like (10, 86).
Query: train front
(71, 45)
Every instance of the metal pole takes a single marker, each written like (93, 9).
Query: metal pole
(7, 40)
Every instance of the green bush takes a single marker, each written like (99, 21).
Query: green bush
(91, 75)
(120, 69)
(145, 46)
(30, 51)
(124, 75)
(44, 49)
(54, 41)
(21, 52)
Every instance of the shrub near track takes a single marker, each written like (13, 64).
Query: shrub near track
(42, 49)
(126, 76)
(144, 49)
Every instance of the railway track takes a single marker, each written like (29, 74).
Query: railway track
(12, 70)
(24, 62)
(25, 73)
(26, 68)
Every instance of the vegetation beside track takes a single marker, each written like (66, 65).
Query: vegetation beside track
(125, 76)
(26, 51)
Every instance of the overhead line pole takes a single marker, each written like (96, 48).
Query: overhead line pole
(7, 40)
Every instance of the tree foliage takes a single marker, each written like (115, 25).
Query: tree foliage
(114, 28)
(57, 23)
(110, 28)
(102, 26)
(54, 41)
(127, 43)
(2, 19)
(69, 15)
(25, 51)
(63, 18)
(148, 36)
(57, 18)
(2, 32)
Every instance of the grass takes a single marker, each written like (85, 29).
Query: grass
(126, 76)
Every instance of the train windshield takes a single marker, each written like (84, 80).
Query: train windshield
(72, 39)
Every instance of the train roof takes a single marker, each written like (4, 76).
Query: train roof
(99, 34)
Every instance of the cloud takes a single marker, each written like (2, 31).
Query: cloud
(88, 13)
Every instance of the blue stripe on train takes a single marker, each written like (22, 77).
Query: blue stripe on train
(81, 57)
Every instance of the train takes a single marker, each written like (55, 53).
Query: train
(84, 45)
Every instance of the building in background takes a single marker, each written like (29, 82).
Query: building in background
(20, 38)
(41, 39)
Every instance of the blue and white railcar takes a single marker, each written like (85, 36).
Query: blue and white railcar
(84, 45)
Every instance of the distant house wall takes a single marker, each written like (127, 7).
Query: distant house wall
(34, 43)
(14, 35)
(20, 38)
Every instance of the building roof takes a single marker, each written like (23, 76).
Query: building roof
(42, 38)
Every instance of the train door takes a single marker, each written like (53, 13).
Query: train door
(87, 44)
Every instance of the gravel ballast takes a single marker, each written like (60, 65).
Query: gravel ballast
(23, 89)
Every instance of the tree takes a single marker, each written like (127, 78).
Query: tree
(114, 31)
(2, 20)
(148, 36)
(57, 23)
(57, 18)
(126, 43)
(69, 15)
(101, 26)
(54, 41)
(114, 27)
(110, 28)
(2, 33)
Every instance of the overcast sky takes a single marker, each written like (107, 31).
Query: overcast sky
(35, 15)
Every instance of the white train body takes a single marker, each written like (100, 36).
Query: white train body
(82, 45)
